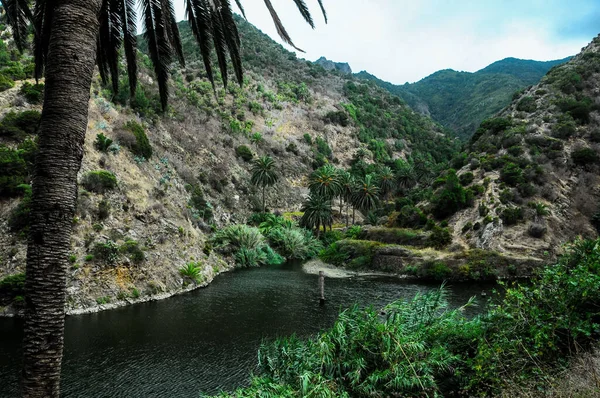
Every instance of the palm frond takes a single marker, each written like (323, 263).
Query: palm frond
(239, 4)
(18, 16)
(220, 44)
(129, 29)
(323, 10)
(198, 16)
(279, 26)
(232, 38)
(42, 23)
(172, 31)
(304, 12)
(109, 41)
(158, 45)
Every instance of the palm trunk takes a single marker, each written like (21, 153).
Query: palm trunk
(341, 209)
(71, 59)
(353, 214)
(264, 206)
(347, 213)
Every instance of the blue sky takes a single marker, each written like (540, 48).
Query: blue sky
(405, 41)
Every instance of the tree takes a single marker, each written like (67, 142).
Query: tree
(325, 182)
(317, 212)
(263, 175)
(347, 184)
(70, 36)
(385, 178)
(365, 195)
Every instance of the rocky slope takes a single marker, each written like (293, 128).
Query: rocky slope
(342, 67)
(538, 165)
(131, 241)
(460, 101)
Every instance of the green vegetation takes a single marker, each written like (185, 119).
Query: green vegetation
(102, 142)
(244, 152)
(34, 93)
(19, 125)
(263, 175)
(451, 197)
(193, 272)
(16, 166)
(107, 252)
(99, 181)
(141, 146)
(584, 156)
(11, 287)
(421, 347)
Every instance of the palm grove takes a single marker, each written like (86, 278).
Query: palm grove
(71, 37)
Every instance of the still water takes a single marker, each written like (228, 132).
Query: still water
(203, 341)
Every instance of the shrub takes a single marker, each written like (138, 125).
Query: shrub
(584, 156)
(34, 93)
(440, 237)
(99, 181)
(244, 152)
(132, 249)
(526, 104)
(103, 209)
(435, 270)
(13, 171)
(107, 252)
(537, 230)
(564, 128)
(5, 82)
(200, 204)
(141, 147)
(466, 178)
(18, 220)
(354, 232)
(512, 215)
(579, 109)
(12, 286)
(296, 243)
(102, 142)
(337, 117)
(451, 197)
(17, 125)
(511, 174)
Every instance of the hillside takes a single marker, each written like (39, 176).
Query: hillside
(539, 163)
(460, 101)
(154, 185)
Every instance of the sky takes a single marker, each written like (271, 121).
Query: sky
(404, 41)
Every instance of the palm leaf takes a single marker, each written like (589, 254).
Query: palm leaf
(129, 29)
(304, 12)
(109, 41)
(198, 15)
(172, 31)
(158, 45)
(279, 26)
(239, 4)
(42, 23)
(219, 42)
(323, 10)
(18, 16)
(232, 38)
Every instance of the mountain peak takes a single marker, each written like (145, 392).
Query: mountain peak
(343, 67)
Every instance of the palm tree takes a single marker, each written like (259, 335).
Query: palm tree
(317, 212)
(347, 183)
(385, 178)
(263, 175)
(325, 182)
(365, 195)
(70, 36)
(405, 176)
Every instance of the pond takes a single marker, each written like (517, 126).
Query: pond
(206, 340)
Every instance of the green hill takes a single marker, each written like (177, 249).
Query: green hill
(460, 101)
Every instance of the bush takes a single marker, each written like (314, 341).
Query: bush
(5, 82)
(466, 178)
(244, 152)
(296, 243)
(197, 201)
(511, 174)
(107, 252)
(132, 249)
(526, 104)
(12, 286)
(512, 215)
(537, 230)
(192, 271)
(102, 142)
(579, 109)
(584, 156)
(34, 93)
(142, 147)
(451, 198)
(14, 171)
(337, 117)
(18, 125)
(99, 181)
(18, 220)
(564, 128)
(440, 237)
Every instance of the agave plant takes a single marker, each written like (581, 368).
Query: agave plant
(192, 271)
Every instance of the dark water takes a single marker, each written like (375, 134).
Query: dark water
(202, 341)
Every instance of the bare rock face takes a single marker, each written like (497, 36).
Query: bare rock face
(342, 67)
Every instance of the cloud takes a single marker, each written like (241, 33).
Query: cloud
(402, 40)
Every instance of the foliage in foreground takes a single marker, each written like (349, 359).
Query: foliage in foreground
(421, 347)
